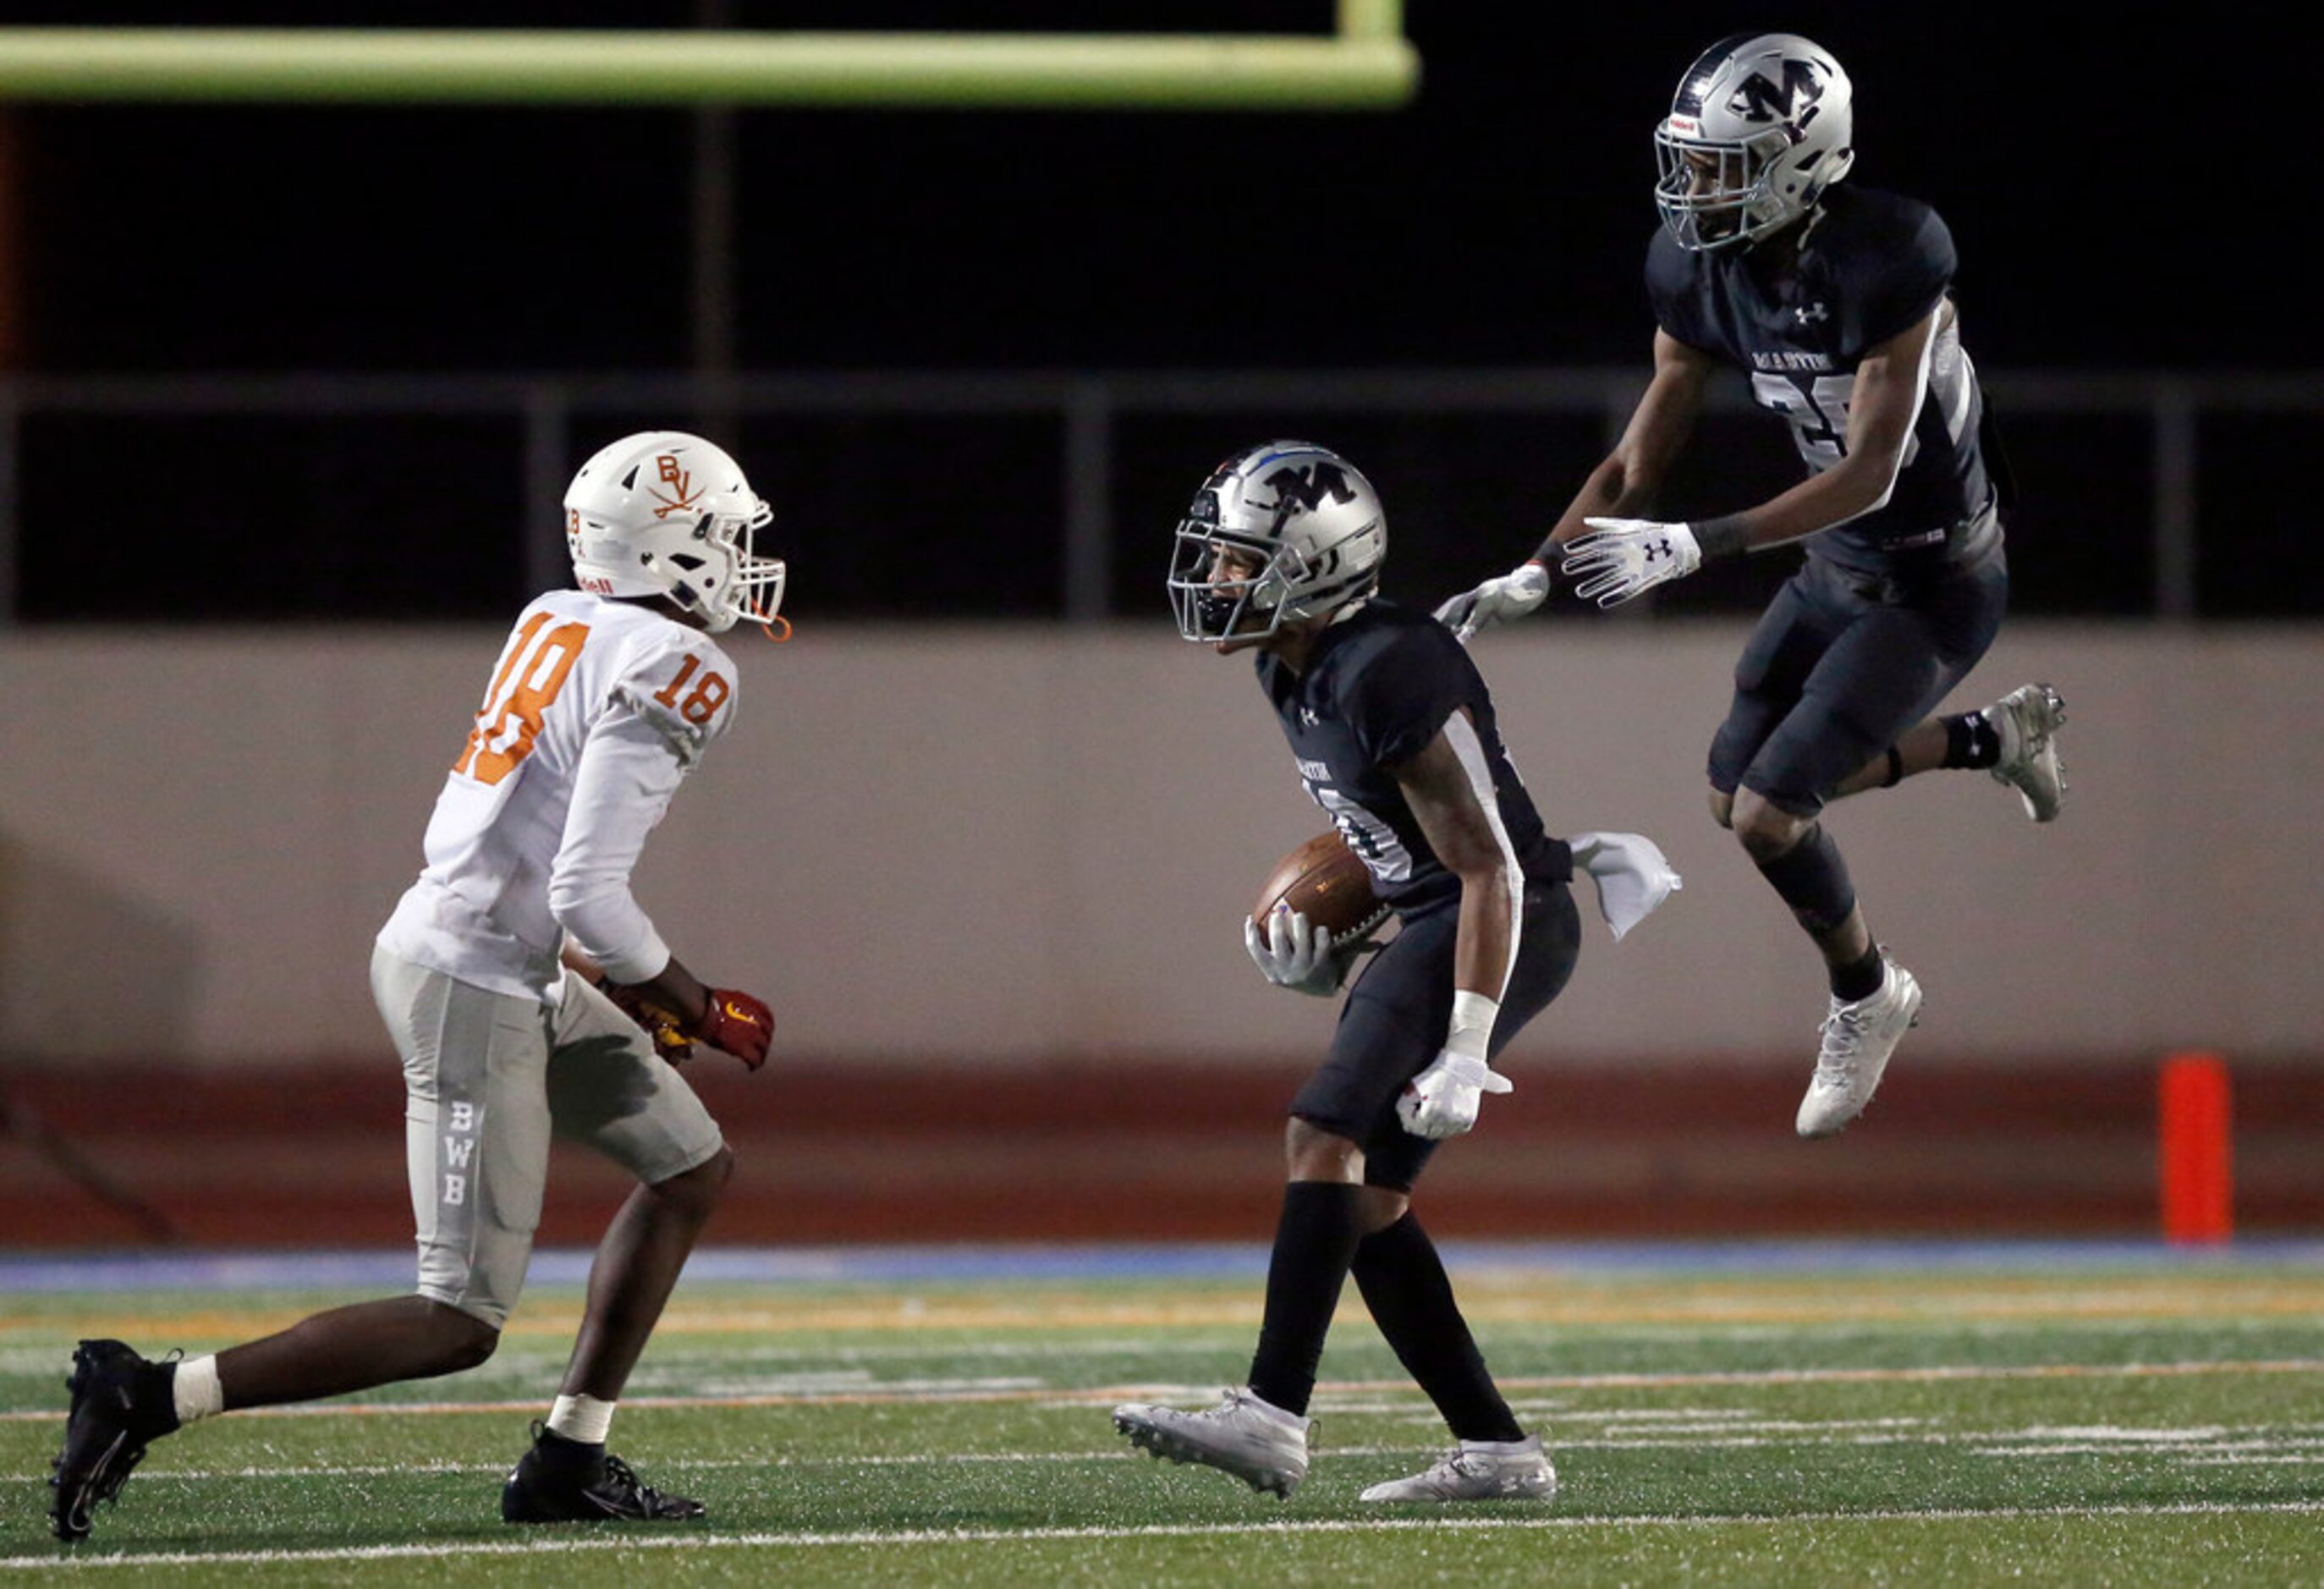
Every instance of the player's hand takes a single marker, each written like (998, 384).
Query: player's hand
(1295, 954)
(1620, 558)
(663, 1026)
(1632, 873)
(735, 1022)
(1511, 596)
(1443, 1100)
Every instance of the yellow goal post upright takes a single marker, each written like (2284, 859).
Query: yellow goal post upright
(1365, 63)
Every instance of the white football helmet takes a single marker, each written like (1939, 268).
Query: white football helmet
(1760, 126)
(1311, 532)
(664, 513)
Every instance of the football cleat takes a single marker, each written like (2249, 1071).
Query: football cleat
(1859, 1036)
(2027, 720)
(1478, 1470)
(562, 1481)
(120, 1404)
(1260, 1444)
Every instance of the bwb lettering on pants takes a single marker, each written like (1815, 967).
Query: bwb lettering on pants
(459, 1148)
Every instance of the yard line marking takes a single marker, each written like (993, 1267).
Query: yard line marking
(560, 1547)
(1065, 1396)
(1853, 1432)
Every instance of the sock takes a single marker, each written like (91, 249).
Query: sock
(1403, 1283)
(1859, 979)
(1314, 1242)
(1813, 881)
(1970, 741)
(582, 1419)
(1502, 1448)
(194, 1391)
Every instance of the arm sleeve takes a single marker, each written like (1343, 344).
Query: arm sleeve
(639, 751)
(1402, 700)
(628, 772)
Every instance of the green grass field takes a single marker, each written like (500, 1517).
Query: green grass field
(2058, 1421)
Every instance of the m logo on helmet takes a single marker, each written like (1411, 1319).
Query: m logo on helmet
(678, 478)
(1311, 487)
(1758, 98)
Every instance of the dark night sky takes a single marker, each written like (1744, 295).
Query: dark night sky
(2096, 179)
(2102, 175)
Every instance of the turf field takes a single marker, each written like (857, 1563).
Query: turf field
(1718, 1416)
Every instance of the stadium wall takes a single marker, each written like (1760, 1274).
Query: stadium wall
(997, 845)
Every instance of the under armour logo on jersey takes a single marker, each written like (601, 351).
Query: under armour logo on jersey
(1811, 314)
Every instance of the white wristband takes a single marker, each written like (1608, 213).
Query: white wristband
(1470, 1033)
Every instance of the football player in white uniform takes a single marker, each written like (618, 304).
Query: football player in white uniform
(604, 698)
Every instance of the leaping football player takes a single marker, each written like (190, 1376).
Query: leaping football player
(1393, 733)
(602, 700)
(1835, 301)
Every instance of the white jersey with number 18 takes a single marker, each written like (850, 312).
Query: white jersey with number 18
(597, 711)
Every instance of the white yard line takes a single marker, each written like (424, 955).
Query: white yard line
(2213, 1449)
(53, 1561)
(971, 1393)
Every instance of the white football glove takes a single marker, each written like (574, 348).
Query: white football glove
(1511, 596)
(1297, 954)
(1443, 1100)
(1632, 873)
(1620, 558)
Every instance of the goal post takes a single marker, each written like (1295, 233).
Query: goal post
(1366, 64)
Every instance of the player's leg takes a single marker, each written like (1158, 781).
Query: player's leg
(476, 1133)
(1787, 649)
(1259, 1433)
(608, 1089)
(2015, 738)
(1402, 1280)
(1879, 676)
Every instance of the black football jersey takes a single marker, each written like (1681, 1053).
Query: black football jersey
(1871, 265)
(1379, 687)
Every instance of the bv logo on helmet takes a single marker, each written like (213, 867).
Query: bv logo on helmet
(681, 479)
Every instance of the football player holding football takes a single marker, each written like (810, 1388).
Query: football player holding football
(1393, 733)
(602, 700)
(1834, 300)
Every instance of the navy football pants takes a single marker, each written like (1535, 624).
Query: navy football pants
(1840, 665)
(1392, 1026)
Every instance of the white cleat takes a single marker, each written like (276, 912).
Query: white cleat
(1858, 1038)
(2027, 720)
(1478, 1470)
(1256, 1441)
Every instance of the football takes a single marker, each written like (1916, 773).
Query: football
(1324, 880)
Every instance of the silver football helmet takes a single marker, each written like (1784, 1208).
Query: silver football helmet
(1760, 126)
(664, 513)
(1286, 531)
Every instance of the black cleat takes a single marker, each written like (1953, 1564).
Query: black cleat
(120, 1403)
(562, 1481)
